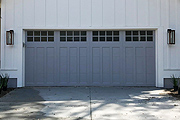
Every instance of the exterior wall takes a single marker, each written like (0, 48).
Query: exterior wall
(0, 37)
(158, 15)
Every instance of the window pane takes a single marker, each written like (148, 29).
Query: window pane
(83, 38)
(62, 38)
(135, 32)
(83, 32)
(128, 38)
(149, 38)
(37, 39)
(143, 39)
(116, 32)
(135, 38)
(50, 39)
(44, 39)
(51, 33)
(142, 33)
(69, 33)
(76, 38)
(109, 32)
(69, 39)
(36, 33)
(29, 33)
(116, 38)
(43, 33)
(128, 32)
(149, 32)
(95, 33)
(102, 32)
(62, 33)
(102, 38)
(76, 33)
(109, 38)
(95, 38)
(30, 39)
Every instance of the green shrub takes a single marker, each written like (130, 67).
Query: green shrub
(174, 80)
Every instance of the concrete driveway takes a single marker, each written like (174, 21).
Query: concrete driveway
(94, 103)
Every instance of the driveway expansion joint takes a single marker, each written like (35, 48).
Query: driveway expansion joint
(90, 103)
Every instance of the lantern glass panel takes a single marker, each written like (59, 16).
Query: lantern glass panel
(171, 36)
(10, 37)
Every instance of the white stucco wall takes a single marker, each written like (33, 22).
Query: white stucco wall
(158, 15)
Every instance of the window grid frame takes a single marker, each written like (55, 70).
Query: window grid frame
(112, 36)
(132, 36)
(40, 36)
(73, 36)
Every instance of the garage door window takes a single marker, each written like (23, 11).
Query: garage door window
(103, 36)
(40, 36)
(139, 36)
(73, 36)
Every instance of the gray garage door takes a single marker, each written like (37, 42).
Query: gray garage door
(90, 58)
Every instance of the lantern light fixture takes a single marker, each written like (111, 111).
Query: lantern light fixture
(10, 37)
(170, 36)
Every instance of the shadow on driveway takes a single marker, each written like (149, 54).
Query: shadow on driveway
(76, 103)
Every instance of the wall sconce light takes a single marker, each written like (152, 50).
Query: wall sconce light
(170, 36)
(10, 37)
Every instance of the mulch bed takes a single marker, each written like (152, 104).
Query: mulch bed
(6, 92)
(173, 93)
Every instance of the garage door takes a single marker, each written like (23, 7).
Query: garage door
(90, 58)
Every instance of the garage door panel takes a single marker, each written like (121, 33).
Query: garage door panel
(96, 65)
(139, 51)
(63, 51)
(150, 61)
(30, 65)
(116, 79)
(140, 79)
(83, 62)
(40, 79)
(90, 58)
(150, 64)
(40, 76)
(73, 62)
(129, 79)
(73, 78)
(73, 65)
(116, 65)
(83, 51)
(96, 60)
(50, 78)
(140, 64)
(106, 60)
(63, 60)
(129, 60)
(83, 65)
(150, 51)
(129, 65)
(63, 78)
(63, 65)
(106, 78)
(106, 65)
(50, 65)
(83, 78)
(150, 79)
(50, 60)
(96, 79)
(40, 60)
(129, 51)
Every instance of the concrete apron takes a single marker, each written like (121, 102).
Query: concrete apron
(96, 103)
